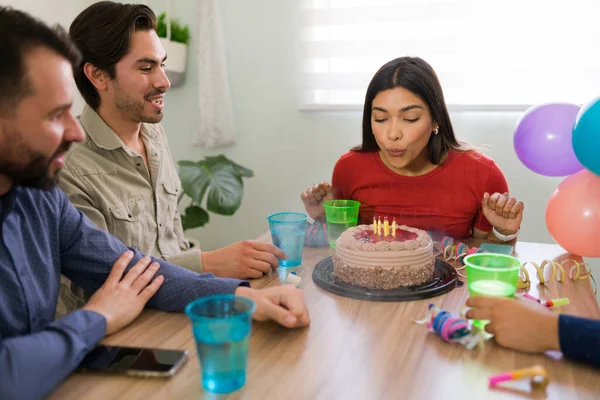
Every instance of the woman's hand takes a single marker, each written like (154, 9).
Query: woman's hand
(313, 199)
(504, 212)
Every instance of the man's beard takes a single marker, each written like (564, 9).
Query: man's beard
(125, 103)
(35, 173)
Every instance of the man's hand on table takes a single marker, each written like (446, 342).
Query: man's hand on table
(283, 304)
(120, 301)
(242, 260)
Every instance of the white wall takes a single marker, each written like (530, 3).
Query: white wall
(53, 11)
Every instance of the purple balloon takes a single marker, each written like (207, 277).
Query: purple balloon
(543, 139)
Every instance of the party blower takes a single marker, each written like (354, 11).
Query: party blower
(537, 375)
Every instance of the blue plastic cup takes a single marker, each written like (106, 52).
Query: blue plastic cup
(287, 231)
(221, 325)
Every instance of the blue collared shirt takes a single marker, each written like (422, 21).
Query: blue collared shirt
(41, 236)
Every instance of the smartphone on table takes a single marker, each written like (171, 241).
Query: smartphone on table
(497, 248)
(133, 361)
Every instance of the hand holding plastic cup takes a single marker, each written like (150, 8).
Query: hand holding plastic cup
(221, 325)
(287, 231)
(340, 215)
(493, 275)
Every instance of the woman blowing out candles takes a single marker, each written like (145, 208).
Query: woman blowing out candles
(524, 325)
(411, 167)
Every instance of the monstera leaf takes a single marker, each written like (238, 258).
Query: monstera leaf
(194, 217)
(218, 176)
(244, 172)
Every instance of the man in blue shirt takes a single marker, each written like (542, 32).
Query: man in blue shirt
(42, 234)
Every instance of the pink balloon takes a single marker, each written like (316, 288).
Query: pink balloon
(573, 214)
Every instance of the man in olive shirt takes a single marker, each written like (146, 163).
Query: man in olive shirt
(123, 176)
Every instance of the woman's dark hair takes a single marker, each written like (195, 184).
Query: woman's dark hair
(416, 75)
(102, 32)
(19, 33)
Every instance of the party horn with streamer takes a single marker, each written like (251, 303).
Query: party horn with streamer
(555, 302)
(537, 374)
(548, 303)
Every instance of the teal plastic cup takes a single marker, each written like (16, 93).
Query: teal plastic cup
(221, 325)
(494, 275)
(287, 231)
(340, 215)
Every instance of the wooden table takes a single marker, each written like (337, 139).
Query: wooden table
(355, 350)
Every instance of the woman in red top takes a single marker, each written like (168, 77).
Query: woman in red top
(411, 167)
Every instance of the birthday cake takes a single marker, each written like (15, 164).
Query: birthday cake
(396, 256)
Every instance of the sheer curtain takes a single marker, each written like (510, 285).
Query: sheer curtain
(215, 106)
(487, 54)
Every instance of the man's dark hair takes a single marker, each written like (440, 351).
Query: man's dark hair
(19, 33)
(102, 32)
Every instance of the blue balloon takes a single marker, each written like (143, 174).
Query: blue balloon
(586, 136)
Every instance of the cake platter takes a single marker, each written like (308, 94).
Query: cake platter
(444, 280)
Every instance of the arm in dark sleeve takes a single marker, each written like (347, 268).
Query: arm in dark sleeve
(88, 254)
(580, 338)
(33, 365)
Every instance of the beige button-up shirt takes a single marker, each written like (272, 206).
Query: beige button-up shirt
(112, 185)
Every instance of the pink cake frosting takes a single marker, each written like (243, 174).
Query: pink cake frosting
(365, 259)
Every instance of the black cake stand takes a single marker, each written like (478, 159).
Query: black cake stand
(444, 280)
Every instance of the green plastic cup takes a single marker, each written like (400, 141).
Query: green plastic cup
(494, 275)
(340, 215)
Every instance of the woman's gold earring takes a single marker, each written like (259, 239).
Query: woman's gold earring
(436, 130)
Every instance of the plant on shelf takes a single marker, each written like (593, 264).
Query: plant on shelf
(176, 48)
(179, 33)
(218, 176)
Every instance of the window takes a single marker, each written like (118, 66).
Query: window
(488, 54)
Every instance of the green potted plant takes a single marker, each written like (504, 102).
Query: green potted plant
(176, 47)
(218, 176)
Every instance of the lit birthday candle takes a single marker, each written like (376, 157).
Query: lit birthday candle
(386, 226)
(394, 227)
(379, 227)
(374, 225)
